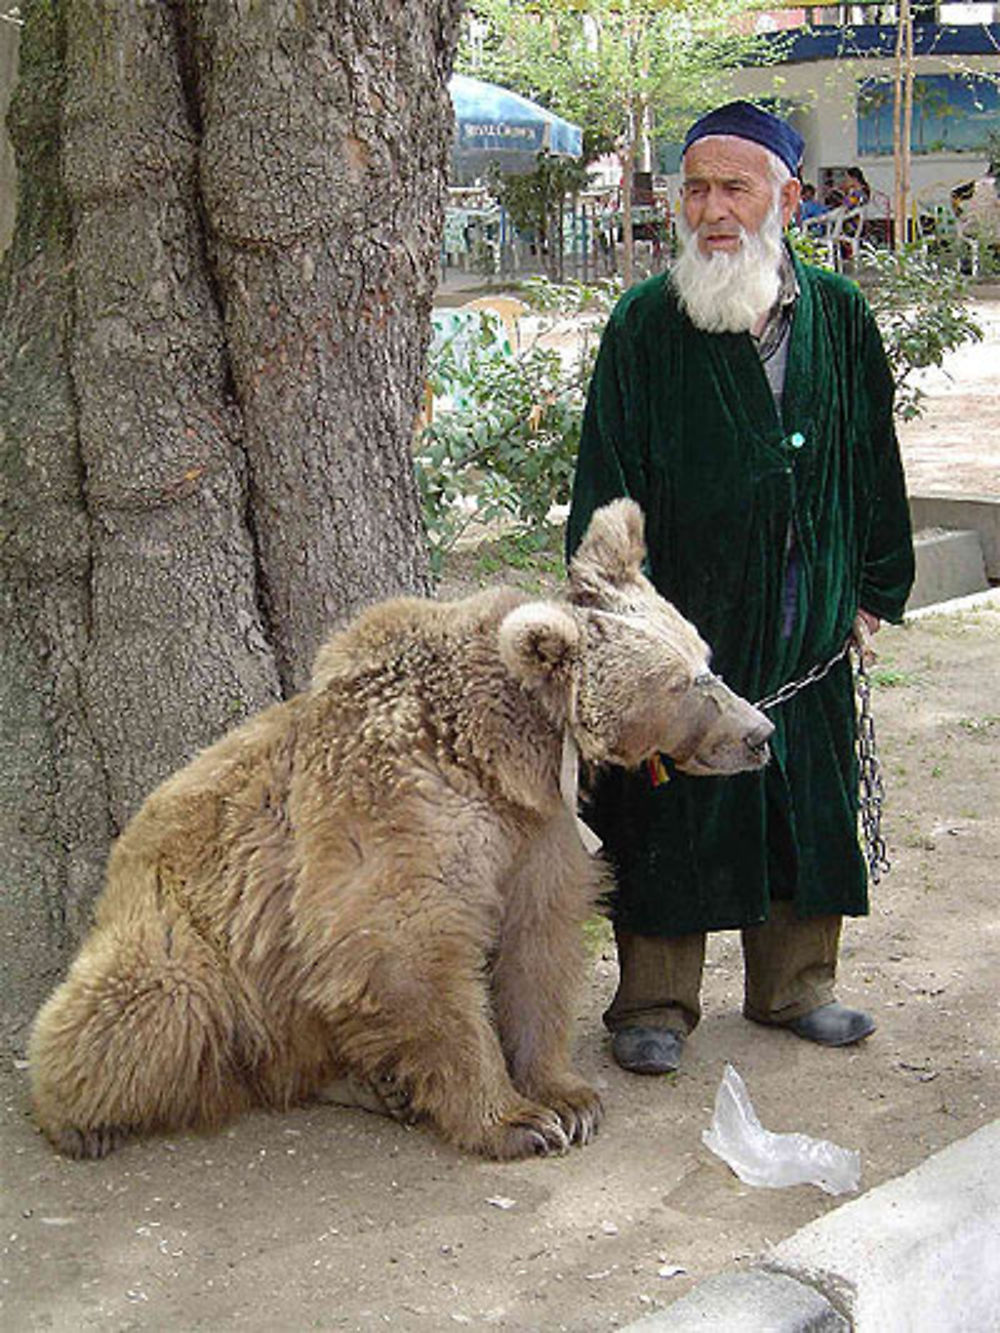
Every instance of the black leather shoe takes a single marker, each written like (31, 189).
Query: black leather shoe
(648, 1050)
(833, 1025)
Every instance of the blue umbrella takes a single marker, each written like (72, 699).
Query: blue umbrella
(495, 125)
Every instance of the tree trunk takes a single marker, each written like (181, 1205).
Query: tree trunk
(213, 321)
(902, 120)
(626, 156)
(906, 188)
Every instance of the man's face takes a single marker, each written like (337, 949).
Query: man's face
(727, 186)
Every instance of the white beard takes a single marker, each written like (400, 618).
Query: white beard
(729, 293)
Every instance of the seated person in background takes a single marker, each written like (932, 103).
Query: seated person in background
(855, 190)
(809, 206)
(856, 193)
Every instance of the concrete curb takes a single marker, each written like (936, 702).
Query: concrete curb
(980, 513)
(973, 602)
(919, 1254)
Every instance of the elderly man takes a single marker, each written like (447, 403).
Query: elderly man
(746, 403)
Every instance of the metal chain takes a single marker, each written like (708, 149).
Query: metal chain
(870, 788)
(871, 791)
(793, 686)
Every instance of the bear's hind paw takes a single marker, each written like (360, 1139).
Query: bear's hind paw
(84, 1144)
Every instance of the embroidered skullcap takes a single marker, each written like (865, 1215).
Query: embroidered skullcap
(745, 121)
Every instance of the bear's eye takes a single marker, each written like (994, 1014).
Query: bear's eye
(675, 684)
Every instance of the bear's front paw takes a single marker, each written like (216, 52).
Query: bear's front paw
(531, 1131)
(381, 1095)
(578, 1107)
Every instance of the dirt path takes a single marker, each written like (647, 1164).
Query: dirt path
(334, 1219)
(954, 447)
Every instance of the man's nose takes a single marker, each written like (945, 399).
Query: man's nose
(716, 205)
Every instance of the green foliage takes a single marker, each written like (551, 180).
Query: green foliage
(920, 304)
(808, 248)
(601, 63)
(502, 445)
(571, 298)
(532, 550)
(977, 725)
(598, 936)
(533, 198)
(536, 201)
(891, 678)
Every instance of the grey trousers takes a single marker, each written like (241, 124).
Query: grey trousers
(789, 966)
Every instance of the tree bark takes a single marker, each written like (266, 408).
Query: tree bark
(213, 320)
(626, 157)
(902, 121)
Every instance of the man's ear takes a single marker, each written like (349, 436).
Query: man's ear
(610, 554)
(539, 642)
(791, 193)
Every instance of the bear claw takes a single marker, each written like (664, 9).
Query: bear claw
(539, 1136)
(84, 1144)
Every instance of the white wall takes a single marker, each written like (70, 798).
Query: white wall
(826, 90)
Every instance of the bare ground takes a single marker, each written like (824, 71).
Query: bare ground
(333, 1219)
(954, 447)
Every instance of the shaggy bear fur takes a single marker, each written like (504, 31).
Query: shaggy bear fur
(380, 879)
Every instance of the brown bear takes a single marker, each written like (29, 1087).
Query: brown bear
(382, 879)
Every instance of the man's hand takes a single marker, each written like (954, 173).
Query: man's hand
(865, 626)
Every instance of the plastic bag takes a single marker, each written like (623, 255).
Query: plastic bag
(760, 1157)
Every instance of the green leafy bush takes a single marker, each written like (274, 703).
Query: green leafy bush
(921, 306)
(503, 441)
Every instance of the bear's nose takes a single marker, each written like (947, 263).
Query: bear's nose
(757, 739)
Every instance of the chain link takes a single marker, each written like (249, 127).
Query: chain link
(792, 688)
(871, 791)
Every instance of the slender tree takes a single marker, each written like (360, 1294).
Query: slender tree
(902, 121)
(213, 319)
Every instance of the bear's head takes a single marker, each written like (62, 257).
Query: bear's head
(623, 669)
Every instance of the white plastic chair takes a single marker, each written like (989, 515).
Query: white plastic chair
(508, 308)
(838, 233)
(979, 219)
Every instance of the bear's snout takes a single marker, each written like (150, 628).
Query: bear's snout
(726, 734)
(756, 740)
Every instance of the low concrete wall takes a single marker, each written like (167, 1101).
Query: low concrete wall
(971, 513)
(921, 1252)
(949, 565)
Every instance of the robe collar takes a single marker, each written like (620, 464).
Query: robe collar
(779, 317)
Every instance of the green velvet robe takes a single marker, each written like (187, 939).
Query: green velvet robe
(685, 423)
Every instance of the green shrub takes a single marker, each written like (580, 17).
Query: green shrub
(920, 304)
(503, 443)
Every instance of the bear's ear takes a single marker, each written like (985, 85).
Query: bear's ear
(539, 642)
(611, 552)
